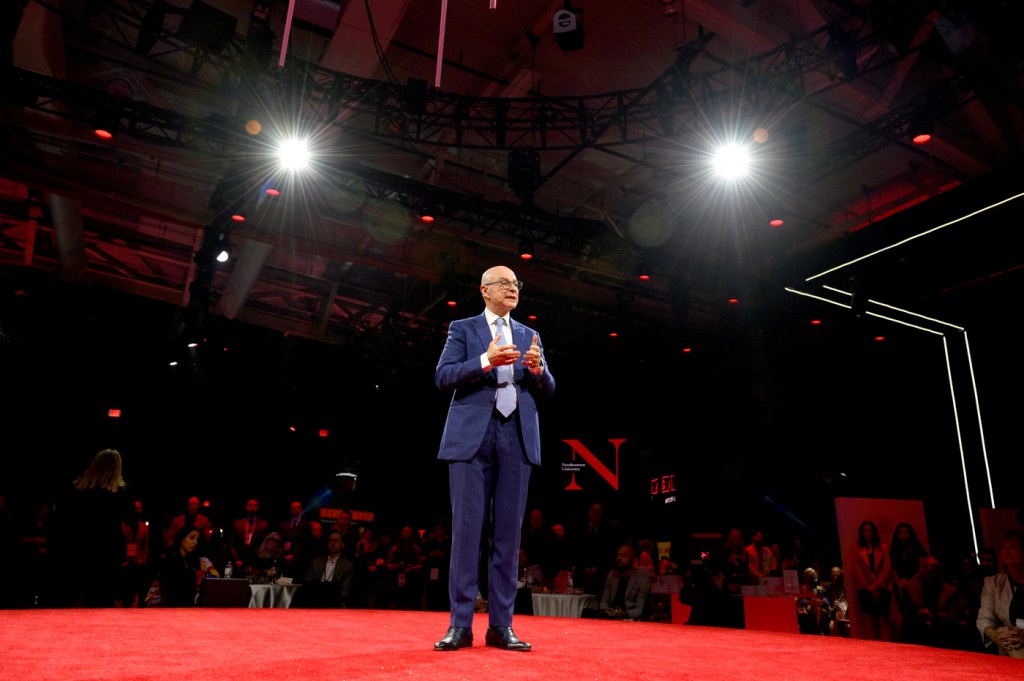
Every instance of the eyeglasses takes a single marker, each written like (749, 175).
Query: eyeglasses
(505, 284)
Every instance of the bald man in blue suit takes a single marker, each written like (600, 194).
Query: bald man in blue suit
(490, 455)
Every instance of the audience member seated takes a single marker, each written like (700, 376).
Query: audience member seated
(531, 578)
(733, 562)
(559, 557)
(267, 561)
(180, 571)
(537, 538)
(938, 614)
(376, 565)
(712, 587)
(329, 578)
(213, 552)
(349, 534)
(836, 594)
(365, 564)
(1001, 615)
(191, 518)
(973, 571)
(134, 579)
(624, 596)
(907, 563)
(813, 609)
(594, 547)
(437, 552)
(645, 557)
(404, 564)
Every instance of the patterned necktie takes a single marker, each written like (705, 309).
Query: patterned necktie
(505, 401)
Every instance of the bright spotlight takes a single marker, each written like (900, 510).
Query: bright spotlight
(293, 154)
(732, 161)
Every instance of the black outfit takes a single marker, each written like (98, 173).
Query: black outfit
(179, 581)
(91, 545)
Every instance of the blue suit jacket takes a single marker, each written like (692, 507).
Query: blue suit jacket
(473, 400)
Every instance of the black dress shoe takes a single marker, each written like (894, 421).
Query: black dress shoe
(505, 638)
(457, 637)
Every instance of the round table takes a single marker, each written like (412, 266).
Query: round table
(562, 605)
(272, 595)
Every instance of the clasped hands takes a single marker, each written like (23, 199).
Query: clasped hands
(1008, 637)
(503, 355)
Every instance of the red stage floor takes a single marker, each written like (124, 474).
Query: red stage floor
(330, 645)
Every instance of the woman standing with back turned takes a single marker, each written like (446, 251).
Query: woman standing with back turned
(92, 545)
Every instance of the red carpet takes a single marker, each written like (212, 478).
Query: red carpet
(262, 645)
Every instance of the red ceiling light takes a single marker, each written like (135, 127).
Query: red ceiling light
(687, 349)
(323, 432)
(114, 413)
(920, 130)
(777, 222)
(273, 192)
(452, 303)
(613, 334)
(879, 338)
(734, 301)
(238, 217)
(815, 322)
(526, 250)
(532, 317)
(105, 125)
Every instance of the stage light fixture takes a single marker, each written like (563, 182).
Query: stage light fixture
(567, 25)
(776, 222)
(293, 154)
(524, 172)
(731, 161)
(526, 249)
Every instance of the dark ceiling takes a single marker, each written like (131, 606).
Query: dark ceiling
(612, 141)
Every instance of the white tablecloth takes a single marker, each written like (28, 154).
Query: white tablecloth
(272, 595)
(562, 605)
